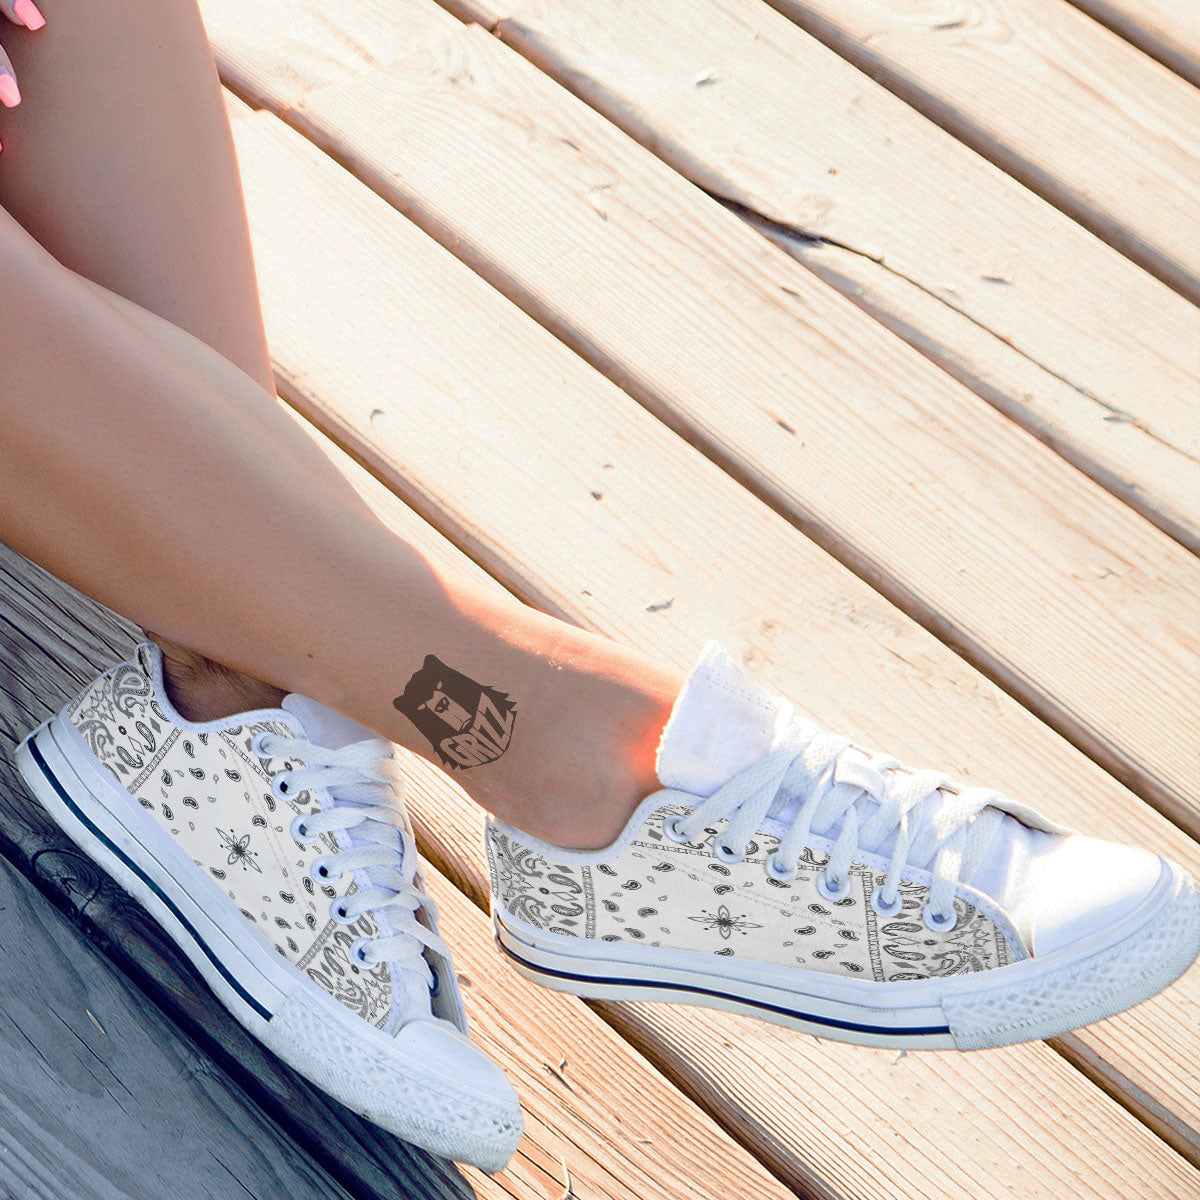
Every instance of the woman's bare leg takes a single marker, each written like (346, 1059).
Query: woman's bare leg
(150, 471)
(120, 162)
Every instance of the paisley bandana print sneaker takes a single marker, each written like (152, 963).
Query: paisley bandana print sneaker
(785, 873)
(274, 849)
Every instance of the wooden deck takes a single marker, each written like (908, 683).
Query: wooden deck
(859, 334)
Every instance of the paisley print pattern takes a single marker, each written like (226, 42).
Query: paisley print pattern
(680, 897)
(213, 796)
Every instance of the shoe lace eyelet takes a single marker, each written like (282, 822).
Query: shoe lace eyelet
(281, 788)
(886, 910)
(939, 922)
(337, 911)
(258, 744)
(777, 871)
(726, 853)
(833, 889)
(300, 831)
(671, 830)
(320, 871)
(358, 953)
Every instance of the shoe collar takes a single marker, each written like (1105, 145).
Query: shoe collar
(149, 658)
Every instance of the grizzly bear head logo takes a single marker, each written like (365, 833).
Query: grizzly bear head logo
(467, 723)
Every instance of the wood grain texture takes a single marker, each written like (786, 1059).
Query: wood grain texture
(596, 1113)
(1169, 30)
(101, 1099)
(584, 505)
(1091, 353)
(966, 521)
(1064, 105)
(297, 45)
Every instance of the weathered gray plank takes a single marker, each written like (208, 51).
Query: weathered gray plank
(52, 641)
(101, 1098)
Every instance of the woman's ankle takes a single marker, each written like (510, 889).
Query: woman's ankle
(587, 777)
(204, 690)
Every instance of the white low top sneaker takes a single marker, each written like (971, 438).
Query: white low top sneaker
(785, 873)
(273, 847)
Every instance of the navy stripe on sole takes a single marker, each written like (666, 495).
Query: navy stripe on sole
(116, 850)
(811, 1018)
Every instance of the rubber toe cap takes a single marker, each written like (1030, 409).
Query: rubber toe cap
(483, 1123)
(1085, 886)
(443, 1049)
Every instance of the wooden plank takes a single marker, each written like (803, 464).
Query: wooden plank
(1169, 30)
(605, 1143)
(300, 46)
(102, 1099)
(1086, 350)
(488, 424)
(931, 495)
(600, 1122)
(1061, 103)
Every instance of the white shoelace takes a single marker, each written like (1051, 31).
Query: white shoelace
(815, 780)
(381, 844)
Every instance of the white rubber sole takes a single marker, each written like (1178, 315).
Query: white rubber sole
(1032, 999)
(372, 1073)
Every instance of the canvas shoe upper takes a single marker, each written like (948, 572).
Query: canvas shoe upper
(286, 828)
(784, 871)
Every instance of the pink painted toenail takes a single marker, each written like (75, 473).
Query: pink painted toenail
(10, 94)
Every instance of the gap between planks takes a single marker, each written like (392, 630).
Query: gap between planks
(1004, 292)
(1061, 103)
(1168, 30)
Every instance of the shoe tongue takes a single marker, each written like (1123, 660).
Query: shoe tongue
(325, 727)
(721, 723)
(322, 726)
